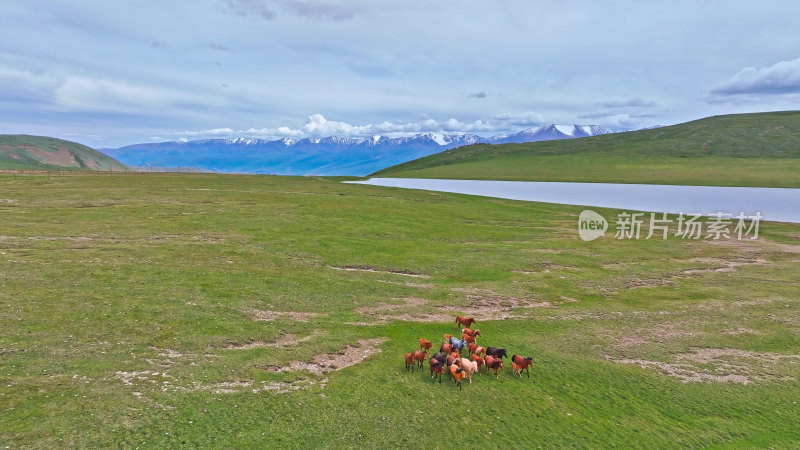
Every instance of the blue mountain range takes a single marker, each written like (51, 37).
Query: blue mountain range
(333, 155)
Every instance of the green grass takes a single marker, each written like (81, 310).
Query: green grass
(24, 152)
(101, 275)
(734, 150)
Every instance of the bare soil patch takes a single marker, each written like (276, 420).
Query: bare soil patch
(486, 304)
(245, 346)
(383, 307)
(409, 284)
(269, 315)
(725, 265)
(649, 282)
(286, 340)
(421, 317)
(757, 245)
(329, 362)
(403, 272)
(740, 330)
(718, 365)
(659, 333)
(546, 267)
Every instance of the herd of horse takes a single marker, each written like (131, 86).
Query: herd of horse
(450, 358)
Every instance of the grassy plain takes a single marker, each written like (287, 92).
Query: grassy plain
(161, 310)
(733, 150)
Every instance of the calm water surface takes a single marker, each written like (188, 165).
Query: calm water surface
(776, 204)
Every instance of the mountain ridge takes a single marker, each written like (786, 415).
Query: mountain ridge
(329, 155)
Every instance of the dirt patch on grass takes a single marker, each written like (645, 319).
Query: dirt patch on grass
(235, 387)
(286, 340)
(725, 265)
(545, 267)
(269, 315)
(648, 282)
(403, 272)
(166, 383)
(384, 307)
(349, 356)
(246, 346)
(423, 317)
(485, 304)
(409, 284)
(740, 330)
(658, 333)
(714, 305)
(169, 353)
(548, 251)
(148, 376)
(719, 365)
(757, 245)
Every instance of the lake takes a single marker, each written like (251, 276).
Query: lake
(776, 204)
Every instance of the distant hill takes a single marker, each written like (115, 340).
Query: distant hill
(333, 155)
(760, 149)
(23, 152)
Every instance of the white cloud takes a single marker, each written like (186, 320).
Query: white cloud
(752, 84)
(318, 125)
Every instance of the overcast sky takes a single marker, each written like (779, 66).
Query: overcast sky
(110, 73)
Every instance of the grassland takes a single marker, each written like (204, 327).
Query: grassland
(24, 152)
(733, 150)
(161, 310)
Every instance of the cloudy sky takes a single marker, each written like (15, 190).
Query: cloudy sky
(111, 73)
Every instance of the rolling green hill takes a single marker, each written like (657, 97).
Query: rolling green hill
(761, 149)
(23, 152)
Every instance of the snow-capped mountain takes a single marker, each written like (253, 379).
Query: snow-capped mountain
(331, 155)
(551, 132)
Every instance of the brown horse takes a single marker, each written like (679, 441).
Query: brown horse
(479, 361)
(475, 349)
(469, 332)
(409, 357)
(523, 364)
(466, 321)
(419, 356)
(437, 368)
(446, 347)
(493, 363)
(425, 344)
(457, 373)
